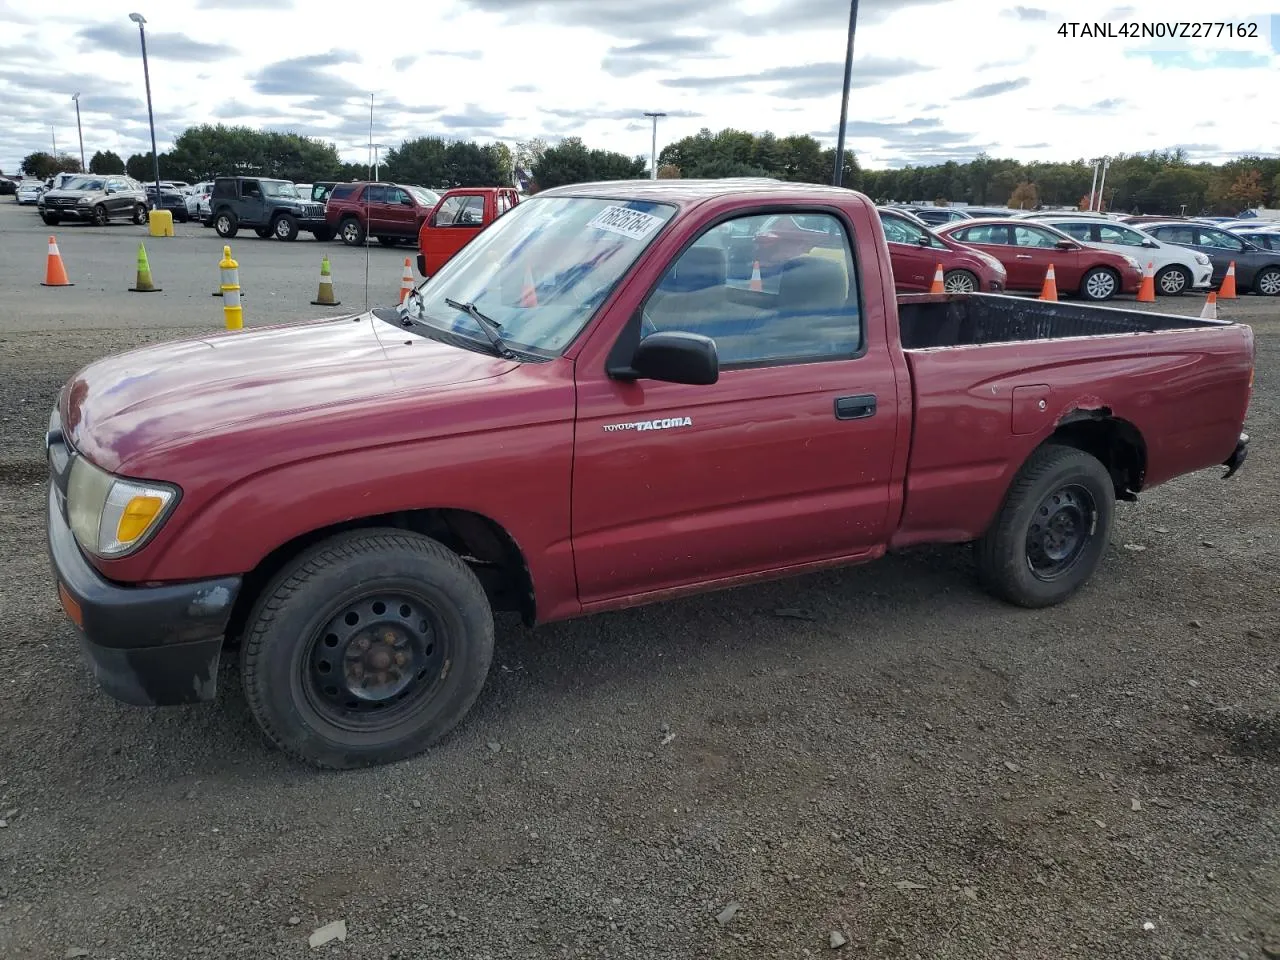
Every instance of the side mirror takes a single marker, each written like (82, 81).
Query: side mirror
(407, 201)
(922, 241)
(1150, 243)
(1065, 245)
(676, 357)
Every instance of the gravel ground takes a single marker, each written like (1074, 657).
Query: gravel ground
(883, 754)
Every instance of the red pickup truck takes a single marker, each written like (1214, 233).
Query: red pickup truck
(459, 215)
(581, 412)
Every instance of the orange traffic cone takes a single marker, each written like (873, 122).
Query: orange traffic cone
(1050, 289)
(1210, 311)
(55, 273)
(529, 294)
(1147, 289)
(406, 280)
(938, 285)
(757, 283)
(1226, 291)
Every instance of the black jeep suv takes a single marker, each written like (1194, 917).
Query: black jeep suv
(272, 208)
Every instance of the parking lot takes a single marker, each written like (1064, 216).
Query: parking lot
(885, 753)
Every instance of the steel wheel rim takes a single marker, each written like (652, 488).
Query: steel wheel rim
(1060, 531)
(1101, 285)
(1269, 283)
(1173, 281)
(958, 283)
(376, 660)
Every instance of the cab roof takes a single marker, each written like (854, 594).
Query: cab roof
(687, 192)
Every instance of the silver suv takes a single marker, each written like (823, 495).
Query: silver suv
(98, 199)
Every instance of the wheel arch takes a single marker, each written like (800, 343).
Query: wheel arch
(483, 544)
(1114, 441)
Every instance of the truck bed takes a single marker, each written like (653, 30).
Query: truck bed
(930, 321)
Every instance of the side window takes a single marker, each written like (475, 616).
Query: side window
(1120, 235)
(374, 194)
(251, 188)
(447, 212)
(806, 308)
(1177, 234)
(401, 197)
(341, 192)
(1081, 231)
(504, 203)
(1031, 237)
(1219, 240)
(993, 233)
(472, 213)
(895, 229)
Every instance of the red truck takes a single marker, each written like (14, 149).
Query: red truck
(459, 215)
(582, 412)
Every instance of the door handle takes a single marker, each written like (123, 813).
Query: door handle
(1023, 256)
(856, 408)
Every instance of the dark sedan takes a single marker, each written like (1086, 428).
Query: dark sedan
(170, 199)
(1257, 268)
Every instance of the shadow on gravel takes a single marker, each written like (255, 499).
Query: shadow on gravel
(1248, 734)
(23, 471)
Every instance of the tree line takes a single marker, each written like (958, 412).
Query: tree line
(1165, 182)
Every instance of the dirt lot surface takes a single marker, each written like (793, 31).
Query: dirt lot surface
(884, 755)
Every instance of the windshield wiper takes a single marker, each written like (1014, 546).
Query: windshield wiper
(490, 327)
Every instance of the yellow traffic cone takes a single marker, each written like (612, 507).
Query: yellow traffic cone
(143, 283)
(324, 297)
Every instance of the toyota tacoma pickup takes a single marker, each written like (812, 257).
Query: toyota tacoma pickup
(582, 411)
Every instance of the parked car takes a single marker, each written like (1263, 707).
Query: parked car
(1177, 269)
(28, 192)
(8, 186)
(350, 518)
(1257, 268)
(95, 199)
(1265, 238)
(458, 216)
(320, 191)
(272, 208)
(197, 202)
(170, 199)
(1027, 249)
(916, 252)
(936, 216)
(391, 212)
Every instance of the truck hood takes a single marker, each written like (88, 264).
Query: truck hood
(149, 401)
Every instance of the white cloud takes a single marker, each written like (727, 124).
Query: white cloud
(934, 79)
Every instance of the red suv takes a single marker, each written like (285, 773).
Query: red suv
(392, 212)
(915, 252)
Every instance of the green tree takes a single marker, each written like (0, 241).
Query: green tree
(40, 165)
(504, 160)
(106, 162)
(572, 162)
(471, 165)
(421, 161)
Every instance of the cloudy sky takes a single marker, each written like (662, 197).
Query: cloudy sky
(933, 79)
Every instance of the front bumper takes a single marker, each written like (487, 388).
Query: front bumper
(1234, 462)
(148, 646)
(68, 213)
(1203, 277)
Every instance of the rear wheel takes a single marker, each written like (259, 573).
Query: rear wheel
(959, 281)
(139, 213)
(388, 241)
(225, 222)
(1267, 283)
(1173, 280)
(352, 232)
(367, 649)
(1051, 531)
(1099, 284)
(324, 234)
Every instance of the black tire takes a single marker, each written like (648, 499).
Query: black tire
(100, 216)
(51, 219)
(302, 653)
(959, 281)
(1267, 282)
(1099, 284)
(140, 213)
(285, 227)
(1173, 281)
(263, 233)
(1013, 561)
(226, 224)
(351, 231)
(389, 241)
(324, 234)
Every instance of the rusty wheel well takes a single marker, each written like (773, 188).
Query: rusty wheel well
(490, 552)
(1115, 442)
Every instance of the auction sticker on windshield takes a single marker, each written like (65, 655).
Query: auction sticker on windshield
(625, 221)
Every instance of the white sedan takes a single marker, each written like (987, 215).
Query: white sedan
(29, 191)
(1177, 269)
(197, 200)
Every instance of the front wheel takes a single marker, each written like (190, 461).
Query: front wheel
(367, 649)
(1099, 284)
(51, 219)
(1052, 530)
(100, 216)
(1173, 281)
(959, 281)
(1267, 283)
(285, 227)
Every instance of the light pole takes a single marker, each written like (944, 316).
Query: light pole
(653, 152)
(80, 134)
(139, 19)
(844, 102)
(376, 147)
(1102, 185)
(1093, 189)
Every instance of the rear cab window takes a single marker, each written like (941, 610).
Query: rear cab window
(342, 192)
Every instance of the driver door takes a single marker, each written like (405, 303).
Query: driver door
(252, 203)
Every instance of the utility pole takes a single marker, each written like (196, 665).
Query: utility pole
(653, 152)
(1093, 189)
(1106, 162)
(80, 134)
(838, 180)
(139, 19)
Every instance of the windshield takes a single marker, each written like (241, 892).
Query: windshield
(541, 270)
(84, 183)
(428, 198)
(274, 188)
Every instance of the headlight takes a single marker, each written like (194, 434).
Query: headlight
(1133, 263)
(112, 517)
(1203, 259)
(84, 200)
